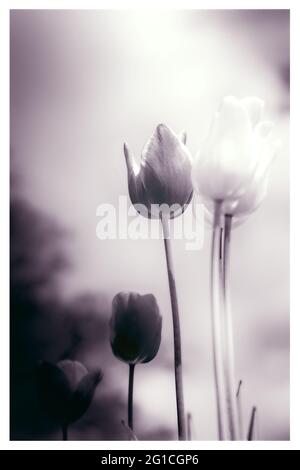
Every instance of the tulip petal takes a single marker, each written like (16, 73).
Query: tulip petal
(151, 347)
(136, 187)
(254, 107)
(232, 119)
(125, 337)
(166, 169)
(252, 198)
(83, 395)
(132, 166)
(150, 323)
(73, 370)
(264, 128)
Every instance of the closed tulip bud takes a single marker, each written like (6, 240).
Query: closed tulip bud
(67, 389)
(135, 327)
(233, 164)
(163, 176)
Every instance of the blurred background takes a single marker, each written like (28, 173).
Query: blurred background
(83, 82)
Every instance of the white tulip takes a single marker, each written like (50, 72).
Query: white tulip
(233, 164)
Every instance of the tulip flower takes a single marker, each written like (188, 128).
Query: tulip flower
(237, 145)
(135, 334)
(161, 187)
(135, 327)
(163, 177)
(67, 390)
(231, 174)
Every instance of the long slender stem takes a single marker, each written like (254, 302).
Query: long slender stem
(176, 332)
(228, 351)
(216, 319)
(250, 433)
(64, 429)
(130, 395)
(239, 410)
(189, 426)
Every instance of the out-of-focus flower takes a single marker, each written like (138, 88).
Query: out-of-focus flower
(234, 162)
(135, 327)
(163, 175)
(67, 389)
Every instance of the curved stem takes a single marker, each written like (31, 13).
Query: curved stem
(176, 332)
(228, 353)
(130, 395)
(216, 318)
(64, 432)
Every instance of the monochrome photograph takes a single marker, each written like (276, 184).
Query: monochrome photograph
(149, 240)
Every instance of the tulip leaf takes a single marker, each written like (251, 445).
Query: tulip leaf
(129, 431)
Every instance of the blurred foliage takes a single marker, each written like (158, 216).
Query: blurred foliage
(44, 326)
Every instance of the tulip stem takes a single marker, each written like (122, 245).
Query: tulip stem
(239, 410)
(250, 433)
(64, 432)
(181, 417)
(216, 255)
(189, 426)
(228, 351)
(130, 396)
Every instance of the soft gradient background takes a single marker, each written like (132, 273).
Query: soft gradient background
(82, 82)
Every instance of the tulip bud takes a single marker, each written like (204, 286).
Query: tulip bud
(67, 389)
(234, 162)
(163, 176)
(135, 327)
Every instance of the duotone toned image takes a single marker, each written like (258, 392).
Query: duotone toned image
(149, 225)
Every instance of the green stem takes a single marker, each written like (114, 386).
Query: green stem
(216, 318)
(176, 332)
(130, 395)
(228, 351)
(64, 432)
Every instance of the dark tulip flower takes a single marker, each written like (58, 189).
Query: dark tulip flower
(135, 334)
(67, 390)
(135, 327)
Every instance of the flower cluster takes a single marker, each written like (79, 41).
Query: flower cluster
(231, 174)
